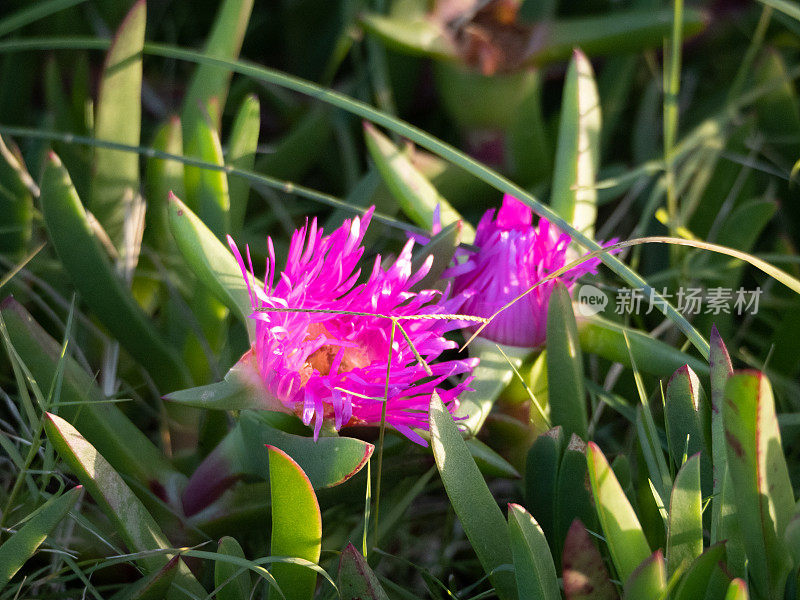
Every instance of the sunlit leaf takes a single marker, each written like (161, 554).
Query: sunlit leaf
(471, 499)
(296, 525)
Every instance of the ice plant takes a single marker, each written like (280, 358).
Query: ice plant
(332, 366)
(512, 256)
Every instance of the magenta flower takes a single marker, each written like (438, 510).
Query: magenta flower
(333, 367)
(512, 256)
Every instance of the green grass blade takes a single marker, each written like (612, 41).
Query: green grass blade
(685, 526)
(296, 525)
(573, 194)
(82, 402)
(566, 394)
(24, 543)
(533, 563)
(621, 527)
(115, 173)
(471, 499)
(94, 277)
(33, 13)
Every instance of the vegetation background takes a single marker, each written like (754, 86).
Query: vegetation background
(617, 120)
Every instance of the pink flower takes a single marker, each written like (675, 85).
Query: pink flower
(325, 366)
(512, 256)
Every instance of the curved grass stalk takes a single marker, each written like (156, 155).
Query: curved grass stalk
(400, 127)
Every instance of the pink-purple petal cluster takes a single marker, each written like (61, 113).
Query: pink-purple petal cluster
(333, 367)
(512, 257)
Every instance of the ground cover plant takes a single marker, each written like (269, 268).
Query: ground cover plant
(407, 299)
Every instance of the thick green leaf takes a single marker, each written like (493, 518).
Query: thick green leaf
(682, 412)
(566, 394)
(242, 155)
(115, 173)
(607, 339)
(621, 527)
(541, 478)
(93, 276)
(23, 543)
(490, 462)
(296, 525)
(162, 178)
(612, 33)
(206, 189)
(573, 497)
(213, 264)
(533, 563)
(16, 201)
(327, 462)
(231, 582)
(737, 590)
(649, 580)
(791, 538)
(584, 573)
(82, 402)
(441, 248)
(491, 377)
(356, 581)
(417, 35)
(573, 194)
(471, 98)
(471, 499)
(697, 579)
(211, 81)
(724, 522)
(154, 586)
(135, 525)
(241, 389)
(685, 526)
(299, 149)
(417, 197)
(761, 485)
(527, 138)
